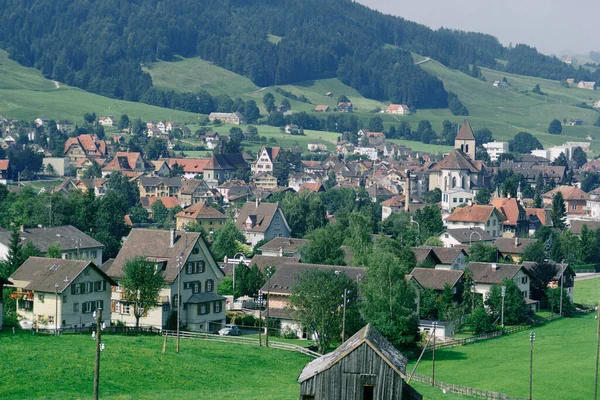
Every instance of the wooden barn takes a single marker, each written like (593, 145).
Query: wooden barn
(365, 367)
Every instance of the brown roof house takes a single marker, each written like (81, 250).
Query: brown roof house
(260, 221)
(74, 288)
(485, 275)
(366, 366)
(220, 167)
(575, 199)
(206, 216)
(486, 217)
(513, 248)
(186, 263)
(516, 222)
(465, 237)
(5, 172)
(283, 247)
(126, 163)
(563, 272)
(265, 160)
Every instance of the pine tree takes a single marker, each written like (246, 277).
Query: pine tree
(559, 211)
(537, 200)
(15, 257)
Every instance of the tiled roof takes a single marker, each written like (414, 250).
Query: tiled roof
(200, 211)
(67, 237)
(485, 273)
(436, 278)
(510, 208)
(475, 213)
(513, 245)
(577, 225)
(4, 165)
(190, 165)
(261, 216)
(288, 245)
(568, 192)
(168, 202)
(457, 159)
(465, 132)
(446, 255)
(465, 235)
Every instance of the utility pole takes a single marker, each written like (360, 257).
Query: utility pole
(260, 301)
(56, 309)
(562, 278)
(597, 353)
(270, 272)
(98, 348)
(531, 340)
(433, 356)
(344, 318)
(503, 295)
(179, 264)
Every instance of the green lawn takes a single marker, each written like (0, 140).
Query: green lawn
(26, 94)
(587, 292)
(563, 362)
(134, 368)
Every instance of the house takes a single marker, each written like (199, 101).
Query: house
(516, 221)
(321, 108)
(538, 217)
(74, 288)
(501, 84)
(259, 221)
(486, 217)
(191, 166)
(161, 168)
(369, 152)
(329, 94)
(568, 60)
(168, 202)
(444, 257)
(577, 225)
(438, 279)
(575, 122)
(513, 248)
(3, 281)
(195, 191)
(486, 275)
(366, 366)
(283, 247)
(399, 109)
(65, 126)
(186, 263)
(153, 186)
(235, 190)
(496, 149)
(456, 197)
(344, 106)
(265, 160)
(73, 243)
(443, 329)
(98, 186)
(227, 118)
(465, 236)
(211, 140)
(5, 177)
(312, 187)
(221, 167)
(41, 121)
(125, 162)
(586, 85)
(107, 121)
(575, 199)
(597, 104)
(315, 147)
(85, 146)
(205, 216)
(279, 288)
(563, 272)
(264, 181)
(298, 179)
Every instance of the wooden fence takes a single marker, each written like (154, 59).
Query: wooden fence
(243, 340)
(587, 277)
(85, 330)
(465, 390)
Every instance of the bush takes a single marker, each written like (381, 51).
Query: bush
(481, 322)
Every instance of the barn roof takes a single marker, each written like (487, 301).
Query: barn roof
(373, 339)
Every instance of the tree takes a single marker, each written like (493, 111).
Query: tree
(376, 124)
(14, 259)
(433, 196)
(553, 296)
(534, 251)
(54, 251)
(227, 241)
(524, 143)
(515, 309)
(389, 300)
(483, 196)
(156, 148)
(430, 221)
(123, 122)
(251, 112)
(541, 274)
(159, 212)
(481, 321)
(483, 252)
(555, 127)
(93, 171)
(434, 241)
(325, 246)
(561, 160)
(456, 106)
(304, 211)
(50, 169)
(558, 215)
(578, 156)
(343, 99)
(269, 102)
(142, 283)
(315, 298)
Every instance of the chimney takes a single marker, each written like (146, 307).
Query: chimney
(494, 267)
(516, 241)
(257, 201)
(172, 238)
(407, 194)
(470, 202)
(281, 252)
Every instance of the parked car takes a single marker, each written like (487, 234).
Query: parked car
(229, 330)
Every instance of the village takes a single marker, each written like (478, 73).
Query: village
(472, 225)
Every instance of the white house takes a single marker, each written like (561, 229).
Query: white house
(464, 237)
(494, 149)
(57, 293)
(107, 121)
(456, 197)
(486, 275)
(399, 109)
(260, 221)
(370, 152)
(485, 217)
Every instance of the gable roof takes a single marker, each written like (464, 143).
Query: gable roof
(510, 208)
(577, 225)
(154, 244)
(508, 246)
(457, 159)
(474, 213)
(4, 165)
(261, 216)
(67, 237)
(485, 273)
(44, 273)
(436, 279)
(191, 185)
(463, 235)
(200, 211)
(421, 254)
(465, 132)
(190, 165)
(226, 161)
(367, 335)
(568, 192)
(168, 202)
(446, 255)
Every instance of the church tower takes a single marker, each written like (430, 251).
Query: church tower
(465, 140)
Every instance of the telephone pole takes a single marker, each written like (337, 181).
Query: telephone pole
(562, 278)
(179, 267)
(433, 356)
(344, 318)
(597, 353)
(98, 344)
(531, 340)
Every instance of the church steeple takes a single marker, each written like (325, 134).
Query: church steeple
(465, 140)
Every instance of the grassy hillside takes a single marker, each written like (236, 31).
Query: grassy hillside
(26, 94)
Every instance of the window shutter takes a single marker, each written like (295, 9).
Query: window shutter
(112, 306)
(208, 308)
(104, 285)
(72, 289)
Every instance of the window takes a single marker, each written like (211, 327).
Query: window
(524, 280)
(65, 298)
(175, 303)
(75, 307)
(201, 309)
(209, 285)
(494, 222)
(125, 309)
(494, 233)
(86, 272)
(524, 294)
(574, 207)
(454, 200)
(50, 319)
(460, 200)
(194, 267)
(94, 253)
(488, 223)
(86, 307)
(196, 288)
(186, 285)
(368, 392)
(98, 286)
(446, 235)
(217, 307)
(41, 298)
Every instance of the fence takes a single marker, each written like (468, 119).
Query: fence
(587, 277)
(465, 390)
(242, 340)
(121, 330)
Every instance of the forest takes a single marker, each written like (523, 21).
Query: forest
(101, 46)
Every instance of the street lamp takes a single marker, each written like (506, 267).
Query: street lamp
(562, 278)
(531, 340)
(345, 297)
(503, 295)
(242, 259)
(412, 221)
(471, 237)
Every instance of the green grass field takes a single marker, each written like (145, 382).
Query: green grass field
(587, 292)
(26, 94)
(134, 368)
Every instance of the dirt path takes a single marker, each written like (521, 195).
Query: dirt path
(423, 61)
(56, 84)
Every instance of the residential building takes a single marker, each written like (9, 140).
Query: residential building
(513, 248)
(265, 160)
(369, 152)
(259, 221)
(41, 121)
(516, 221)
(552, 153)
(564, 273)
(153, 186)
(5, 177)
(85, 146)
(74, 288)
(575, 199)
(98, 186)
(65, 126)
(577, 225)
(485, 217)
(3, 281)
(399, 109)
(264, 181)
(283, 247)
(316, 147)
(204, 215)
(186, 263)
(195, 191)
(345, 106)
(73, 243)
(125, 162)
(107, 121)
(227, 118)
(221, 167)
(441, 257)
(192, 167)
(235, 190)
(486, 275)
(465, 237)
(321, 108)
(366, 366)
(456, 197)
(495, 149)
(586, 85)
(168, 202)
(161, 168)
(437, 279)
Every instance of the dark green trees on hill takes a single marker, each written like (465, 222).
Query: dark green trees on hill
(555, 127)
(524, 142)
